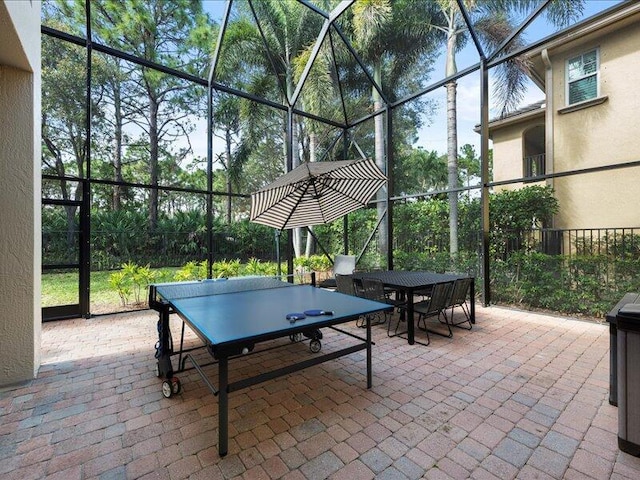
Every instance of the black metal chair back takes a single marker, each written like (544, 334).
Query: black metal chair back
(439, 301)
(459, 294)
(373, 289)
(435, 307)
(344, 284)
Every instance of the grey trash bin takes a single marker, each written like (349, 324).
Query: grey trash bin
(613, 344)
(628, 320)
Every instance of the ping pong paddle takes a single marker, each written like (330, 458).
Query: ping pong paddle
(292, 317)
(317, 313)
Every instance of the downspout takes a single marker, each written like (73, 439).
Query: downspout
(548, 120)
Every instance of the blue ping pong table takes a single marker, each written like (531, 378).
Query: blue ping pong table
(231, 316)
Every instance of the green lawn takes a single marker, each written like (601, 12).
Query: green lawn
(62, 289)
(59, 289)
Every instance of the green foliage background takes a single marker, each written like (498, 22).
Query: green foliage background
(588, 282)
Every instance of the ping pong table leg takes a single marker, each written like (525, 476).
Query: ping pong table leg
(163, 354)
(223, 406)
(369, 374)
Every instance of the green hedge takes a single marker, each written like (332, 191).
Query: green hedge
(588, 284)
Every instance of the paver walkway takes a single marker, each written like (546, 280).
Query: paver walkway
(522, 395)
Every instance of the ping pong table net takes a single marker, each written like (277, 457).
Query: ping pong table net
(204, 288)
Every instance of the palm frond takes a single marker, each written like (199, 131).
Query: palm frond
(510, 76)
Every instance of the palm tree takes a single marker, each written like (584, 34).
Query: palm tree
(493, 24)
(318, 96)
(392, 37)
(288, 27)
(420, 171)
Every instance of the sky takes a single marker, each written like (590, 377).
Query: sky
(433, 135)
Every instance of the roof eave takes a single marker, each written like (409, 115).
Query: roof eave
(514, 119)
(581, 33)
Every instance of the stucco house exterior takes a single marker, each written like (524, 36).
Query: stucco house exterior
(588, 122)
(20, 191)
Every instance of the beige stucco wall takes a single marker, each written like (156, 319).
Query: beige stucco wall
(599, 200)
(20, 234)
(507, 155)
(594, 136)
(598, 135)
(508, 152)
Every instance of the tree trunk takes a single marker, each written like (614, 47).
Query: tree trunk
(452, 166)
(153, 163)
(227, 155)
(381, 196)
(312, 158)
(116, 200)
(70, 210)
(452, 142)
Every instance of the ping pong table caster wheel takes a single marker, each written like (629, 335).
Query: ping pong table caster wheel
(171, 387)
(296, 337)
(315, 346)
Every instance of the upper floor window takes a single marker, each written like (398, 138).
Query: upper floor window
(582, 77)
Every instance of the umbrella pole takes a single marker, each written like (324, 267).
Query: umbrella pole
(278, 232)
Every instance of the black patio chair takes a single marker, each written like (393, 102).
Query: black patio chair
(436, 307)
(342, 265)
(373, 289)
(425, 293)
(459, 299)
(345, 284)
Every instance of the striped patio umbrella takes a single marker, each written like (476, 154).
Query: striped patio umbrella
(315, 193)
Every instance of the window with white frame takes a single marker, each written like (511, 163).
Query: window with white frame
(582, 77)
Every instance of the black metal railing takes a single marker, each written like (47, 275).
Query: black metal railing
(534, 165)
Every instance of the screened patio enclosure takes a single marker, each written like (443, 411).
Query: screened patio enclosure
(161, 118)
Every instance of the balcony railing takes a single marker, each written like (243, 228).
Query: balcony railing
(534, 165)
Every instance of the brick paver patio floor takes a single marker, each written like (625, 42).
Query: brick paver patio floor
(522, 395)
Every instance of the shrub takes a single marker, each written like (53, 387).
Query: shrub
(226, 269)
(132, 279)
(118, 281)
(191, 271)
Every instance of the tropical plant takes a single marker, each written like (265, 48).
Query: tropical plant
(392, 39)
(141, 277)
(420, 171)
(226, 269)
(118, 281)
(132, 279)
(191, 270)
(254, 267)
(493, 23)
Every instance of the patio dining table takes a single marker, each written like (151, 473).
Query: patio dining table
(407, 283)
